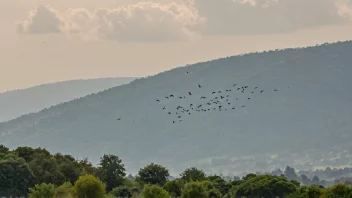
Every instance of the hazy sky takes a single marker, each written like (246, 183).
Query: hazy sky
(45, 41)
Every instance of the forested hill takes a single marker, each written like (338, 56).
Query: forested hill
(274, 103)
(20, 102)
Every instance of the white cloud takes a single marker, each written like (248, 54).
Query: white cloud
(138, 22)
(42, 20)
(156, 22)
(246, 17)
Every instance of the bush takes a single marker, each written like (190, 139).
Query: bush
(88, 186)
(154, 191)
(42, 191)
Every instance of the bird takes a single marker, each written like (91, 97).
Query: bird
(171, 96)
(169, 113)
(167, 97)
(276, 90)
(243, 106)
(118, 119)
(234, 85)
(164, 108)
(261, 91)
(213, 92)
(199, 86)
(158, 100)
(255, 87)
(190, 93)
(249, 98)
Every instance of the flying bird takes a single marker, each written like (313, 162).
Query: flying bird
(199, 86)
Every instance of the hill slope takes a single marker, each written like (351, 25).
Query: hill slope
(304, 107)
(20, 102)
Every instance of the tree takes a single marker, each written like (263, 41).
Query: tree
(290, 173)
(193, 174)
(305, 180)
(46, 169)
(154, 191)
(112, 171)
(194, 189)
(153, 174)
(220, 184)
(64, 191)
(315, 180)
(264, 186)
(88, 186)
(15, 176)
(338, 191)
(211, 190)
(121, 191)
(173, 187)
(3, 151)
(42, 191)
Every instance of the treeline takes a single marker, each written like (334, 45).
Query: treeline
(36, 173)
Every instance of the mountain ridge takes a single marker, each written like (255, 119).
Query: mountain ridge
(308, 111)
(30, 100)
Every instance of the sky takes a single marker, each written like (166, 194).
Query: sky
(44, 41)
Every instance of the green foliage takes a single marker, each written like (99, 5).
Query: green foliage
(154, 191)
(153, 174)
(222, 185)
(193, 174)
(88, 186)
(173, 187)
(112, 171)
(3, 151)
(264, 186)
(15, 176)
(121, 192)
(194, 190)
(46, 169)
(42, 191)
(64, 191)
(338, 191)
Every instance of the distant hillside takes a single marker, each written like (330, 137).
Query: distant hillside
(304, 109)
(20, 102)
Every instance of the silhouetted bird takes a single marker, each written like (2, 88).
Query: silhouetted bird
(252, 91)
(118, 119)
(173, 121)
(180, 97)
(233, 108)
(213, 92)
(255, 87)
(238, 88)
(169, 113)
(229, 103)
(219, 92)
(164, 107)
(276, 90)
(158, 100)
(249, 98)
(167, 97)
(261, 91)
(243, 106)
(171, 96)
(234, 84)
(190, 105)
(179, 117)
(190, 93)
(199, 86)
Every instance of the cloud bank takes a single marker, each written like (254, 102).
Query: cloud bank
(139, 22)
(156, 22)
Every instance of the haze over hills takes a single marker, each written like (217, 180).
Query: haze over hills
(20, 102)
(301, 106)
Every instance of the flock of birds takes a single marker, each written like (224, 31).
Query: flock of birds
(219, 100)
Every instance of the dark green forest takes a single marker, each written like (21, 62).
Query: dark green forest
(36, 173)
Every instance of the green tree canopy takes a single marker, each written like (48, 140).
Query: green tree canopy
(153, 174)
(154, 191)
(112, 171)
(15, 177)
(88, 186)
(121, 191)
(42, 191)
(193, 174)
(173, 187)
(194, 189)
(264, 186)
(338, 191)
